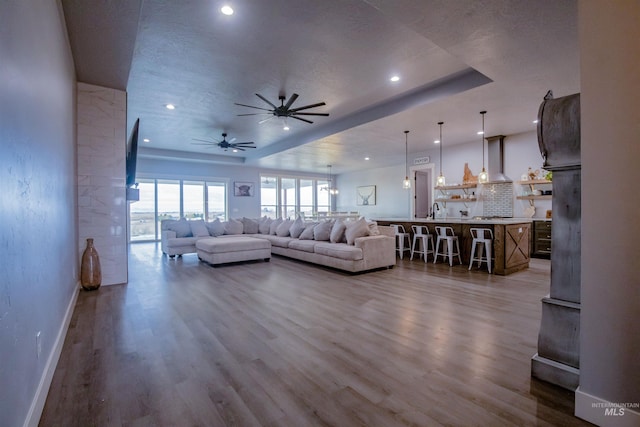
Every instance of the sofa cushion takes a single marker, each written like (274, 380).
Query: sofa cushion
(233, 226)
(181, 227)
(373, 228)
(283, 228)
(282, 242)
(274, 225)
(302, 245)
(296, 228)
(198, 228)
(322, 231)
(337, 231)
(356, 229)
(232, 244)
(307, 234)
(216, 228)
(249, 226)
(263, 227)
(338, 250)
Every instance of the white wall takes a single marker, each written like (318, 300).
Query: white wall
(520, 152)
(610, 132)
(39, 268)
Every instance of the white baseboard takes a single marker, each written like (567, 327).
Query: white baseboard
(37, 405)
(603, 413)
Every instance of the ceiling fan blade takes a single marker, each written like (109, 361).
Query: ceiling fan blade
(255, 114)
(319, 104)
(232, 139)
(266, 100)
(309, 114)
(298, 118)
(265, 120)
(251, 106)
(291, 101)
(237, 148)
(208, 144)
(204, 140)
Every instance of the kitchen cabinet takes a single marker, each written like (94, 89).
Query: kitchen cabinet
(541, 239)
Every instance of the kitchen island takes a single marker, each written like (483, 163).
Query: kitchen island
(510, 238)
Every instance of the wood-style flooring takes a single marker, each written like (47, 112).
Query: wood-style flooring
(286, 343)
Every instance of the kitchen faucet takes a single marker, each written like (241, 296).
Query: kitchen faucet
(434, 208)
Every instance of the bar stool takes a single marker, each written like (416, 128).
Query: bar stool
(448, 237)
(422, 236)
(484, 238)
(401, 237)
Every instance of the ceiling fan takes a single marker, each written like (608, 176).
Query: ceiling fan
(225, 145)
(284, 110)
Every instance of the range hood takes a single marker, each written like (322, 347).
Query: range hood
(495, 152)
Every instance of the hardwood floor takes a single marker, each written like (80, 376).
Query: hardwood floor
(285, 343)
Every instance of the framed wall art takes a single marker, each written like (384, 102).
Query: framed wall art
(366, 195)
(243, 189)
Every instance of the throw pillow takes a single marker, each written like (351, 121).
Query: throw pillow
(263, 228)
(337, 232)
(296, 228)
(373, 228)
(307, 234)
(322, 231)
(216, 228)
(233, 226)
(198, 228)
(283, 228)
(181, 228)
(250, 226)
(356, 229)
(274, 225)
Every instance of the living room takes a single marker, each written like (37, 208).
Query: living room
(41, 241)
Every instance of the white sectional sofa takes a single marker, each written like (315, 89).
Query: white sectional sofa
(360, 247)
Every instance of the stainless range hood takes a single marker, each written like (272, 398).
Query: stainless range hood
(495, 151)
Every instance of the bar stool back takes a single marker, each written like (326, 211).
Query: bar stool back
(401, 237)
(483, 239)
(422, 237)
(448, 239)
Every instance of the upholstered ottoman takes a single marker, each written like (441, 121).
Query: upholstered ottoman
(224, 249)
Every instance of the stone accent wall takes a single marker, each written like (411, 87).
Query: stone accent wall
(102, 208)
(498, 199)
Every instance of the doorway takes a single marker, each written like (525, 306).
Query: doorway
(422, 190)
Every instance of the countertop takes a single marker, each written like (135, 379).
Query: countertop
(458, 220)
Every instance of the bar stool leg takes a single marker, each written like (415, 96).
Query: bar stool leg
(413, 246)
(450, 251)
(435, 254)
(473, 253)
(487, 245)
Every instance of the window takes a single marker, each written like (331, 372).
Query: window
(287, 197)
(172, 199)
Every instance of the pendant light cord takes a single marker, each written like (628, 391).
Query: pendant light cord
(440, 124)
(483, 113)
(406, 153)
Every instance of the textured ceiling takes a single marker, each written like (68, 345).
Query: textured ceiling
(455, 58)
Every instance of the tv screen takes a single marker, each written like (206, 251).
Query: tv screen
(132, 154)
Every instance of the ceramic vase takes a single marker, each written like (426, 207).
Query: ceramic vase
(90, 272)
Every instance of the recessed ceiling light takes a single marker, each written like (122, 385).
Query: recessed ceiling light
(395, 78)
(227, 10)
(366, 158)
(437, 141)
(480, 132)
(146, 140)
(285, 127)
(170, 107)
(535, 121)
(235, 151)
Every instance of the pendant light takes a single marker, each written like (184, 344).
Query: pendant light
(441, 180)
(406, 184)
(483, 177)
(332, 190)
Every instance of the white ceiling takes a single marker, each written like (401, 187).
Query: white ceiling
(455, 58)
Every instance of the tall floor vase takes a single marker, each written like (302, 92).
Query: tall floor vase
(90, 272)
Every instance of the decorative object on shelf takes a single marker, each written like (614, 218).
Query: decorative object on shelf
(90, 271)
(533, 174)
(366, 195)
(441, 179)
(243, 189)
(330, 188)
(529, 211)
(548, 175)
(406, 184)
(483, 176)
(468, 177)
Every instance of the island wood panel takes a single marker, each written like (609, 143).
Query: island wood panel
(511, 247)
